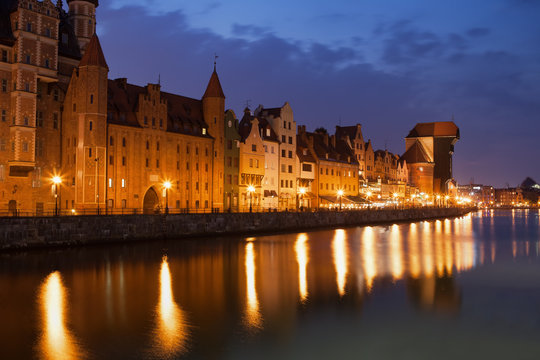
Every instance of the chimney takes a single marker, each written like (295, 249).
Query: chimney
(325, 139)
(333, 140)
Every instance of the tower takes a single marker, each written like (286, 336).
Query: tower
(82, 16)
(85, 127)
(213, 103)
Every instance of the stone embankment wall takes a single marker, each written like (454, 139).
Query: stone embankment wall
(36, 232)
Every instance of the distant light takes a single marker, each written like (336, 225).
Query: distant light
(251, 188)
(340, 192)
(167, 185)
(57, 180)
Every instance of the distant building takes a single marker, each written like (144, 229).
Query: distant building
(509, 197)
(479, 194)
(232, 162)
(428, 152)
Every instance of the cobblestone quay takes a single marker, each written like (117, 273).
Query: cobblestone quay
(38, 232)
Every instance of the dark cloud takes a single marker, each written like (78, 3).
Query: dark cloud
(478, 32)
(432, 76)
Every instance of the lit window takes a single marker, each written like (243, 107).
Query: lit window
(110, 182)
(123, 183)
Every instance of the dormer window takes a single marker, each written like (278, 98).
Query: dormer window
(267, 132)
(204, 131)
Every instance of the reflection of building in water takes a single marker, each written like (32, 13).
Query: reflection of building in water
(171, 329)
(56, 342)
(439, 293)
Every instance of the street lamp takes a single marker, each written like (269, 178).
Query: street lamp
(56, 181)
(167, 186)
(446, 198)
(302, 191)
(368, 195)
(250, 190)
(340, 194)
(438, 200)
(413, 196)
(395, 195)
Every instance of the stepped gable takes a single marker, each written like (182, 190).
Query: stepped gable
(442, 128)
(415, 154)
(214, 87)
(94, 54)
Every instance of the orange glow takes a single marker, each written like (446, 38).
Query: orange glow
(396, 253)
(369, 256)
(339, 250)
(253, 316)
(301, 250)
(57, 342)
(414, 253)
(171, 332)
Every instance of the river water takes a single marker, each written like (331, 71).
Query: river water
(464, 288)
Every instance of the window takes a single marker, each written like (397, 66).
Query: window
(187, 149)
(74, 107)
(283, 168)
(110, 182)
(47, 64)
(55, 122)
(55, 95)
(229, 161)
(2, 144)
(196, 186)
(111, 160)
(124, 142)
(4, 56)
(257, 164)
(178, 165)
(4, 85)
(90, 152)
(27, 87)
(306, 167)
(204, 131)
(48, 32)
(229, 144)
(253, 147)
(251, 163)
(39, 119)
(196, 151)
(123, 185)
(29, 27)
(145, 120)
(206, 167)
(290, 169)
(90, 125)
(147, 145)
(290, 154)
(123, 161)
(283, 153)
(284, 124)
(290, 139)
(187, 166)
(187, 187)
(3, 115)
(178, 149)
(92, 99)
(2, 175)
(153, 121)
(26, 120)
(27, 59)
(196, 166)
(157, 163)
(25, 146)
(147, 162)
(161, 123)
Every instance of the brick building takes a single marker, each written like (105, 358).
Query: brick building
(115, 145)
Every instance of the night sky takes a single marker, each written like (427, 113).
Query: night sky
(385, 64)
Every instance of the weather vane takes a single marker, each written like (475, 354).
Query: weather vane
(215, 60)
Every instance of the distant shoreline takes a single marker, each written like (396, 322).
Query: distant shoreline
(27, 233)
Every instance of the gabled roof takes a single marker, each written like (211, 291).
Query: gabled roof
(214, 87)
(93, 55)
(349, 131)
(264, 125)
(416, 154)
(441, 128)
(301, 145)
(184, 115)
(244, 127)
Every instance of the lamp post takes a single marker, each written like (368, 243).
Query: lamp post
(446, 199)
(97, 181)
(56, 181)
(395, 195)
(250, 190)
(413, 196)
(438, 200)
(167, 186)
(302, 191)
(340, 194)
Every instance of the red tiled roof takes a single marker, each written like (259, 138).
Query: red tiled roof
(441, 128)
(214, 87)
(94, 54)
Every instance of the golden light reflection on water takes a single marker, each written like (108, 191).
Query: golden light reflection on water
(427, 249)
(339, 250)
(301, 250)
(56, 342)
(414, 253)
(396, 252)
(253, 315)
(171, 329)
(368, 256)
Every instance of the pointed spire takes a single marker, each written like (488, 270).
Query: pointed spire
(214, 87)
(93, 54)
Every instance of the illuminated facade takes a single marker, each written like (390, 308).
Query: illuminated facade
(113, 144)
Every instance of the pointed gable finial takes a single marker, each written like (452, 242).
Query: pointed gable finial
(215, 61)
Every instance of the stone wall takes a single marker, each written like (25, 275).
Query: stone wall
(36, 232)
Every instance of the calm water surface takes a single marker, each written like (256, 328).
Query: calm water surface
(466, 288)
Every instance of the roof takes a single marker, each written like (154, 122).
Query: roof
(214, 87)
(93, 54)
(275, 112)
(340, 153)
(264, 125)
(416, 154)
(441, 128)
(301, 145)
(95, 2)
(6, 33)
(244, 128)
(184, 115)
(349, 131)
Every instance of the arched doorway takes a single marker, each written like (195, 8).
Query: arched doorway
(150, 202)
(12, 207)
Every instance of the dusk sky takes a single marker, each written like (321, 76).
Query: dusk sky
(385, 64)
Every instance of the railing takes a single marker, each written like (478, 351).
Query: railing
(177, 211)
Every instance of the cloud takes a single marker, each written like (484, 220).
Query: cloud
(478, 32)
(422, 76)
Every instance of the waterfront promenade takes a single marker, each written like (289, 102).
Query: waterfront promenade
(42, 232)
